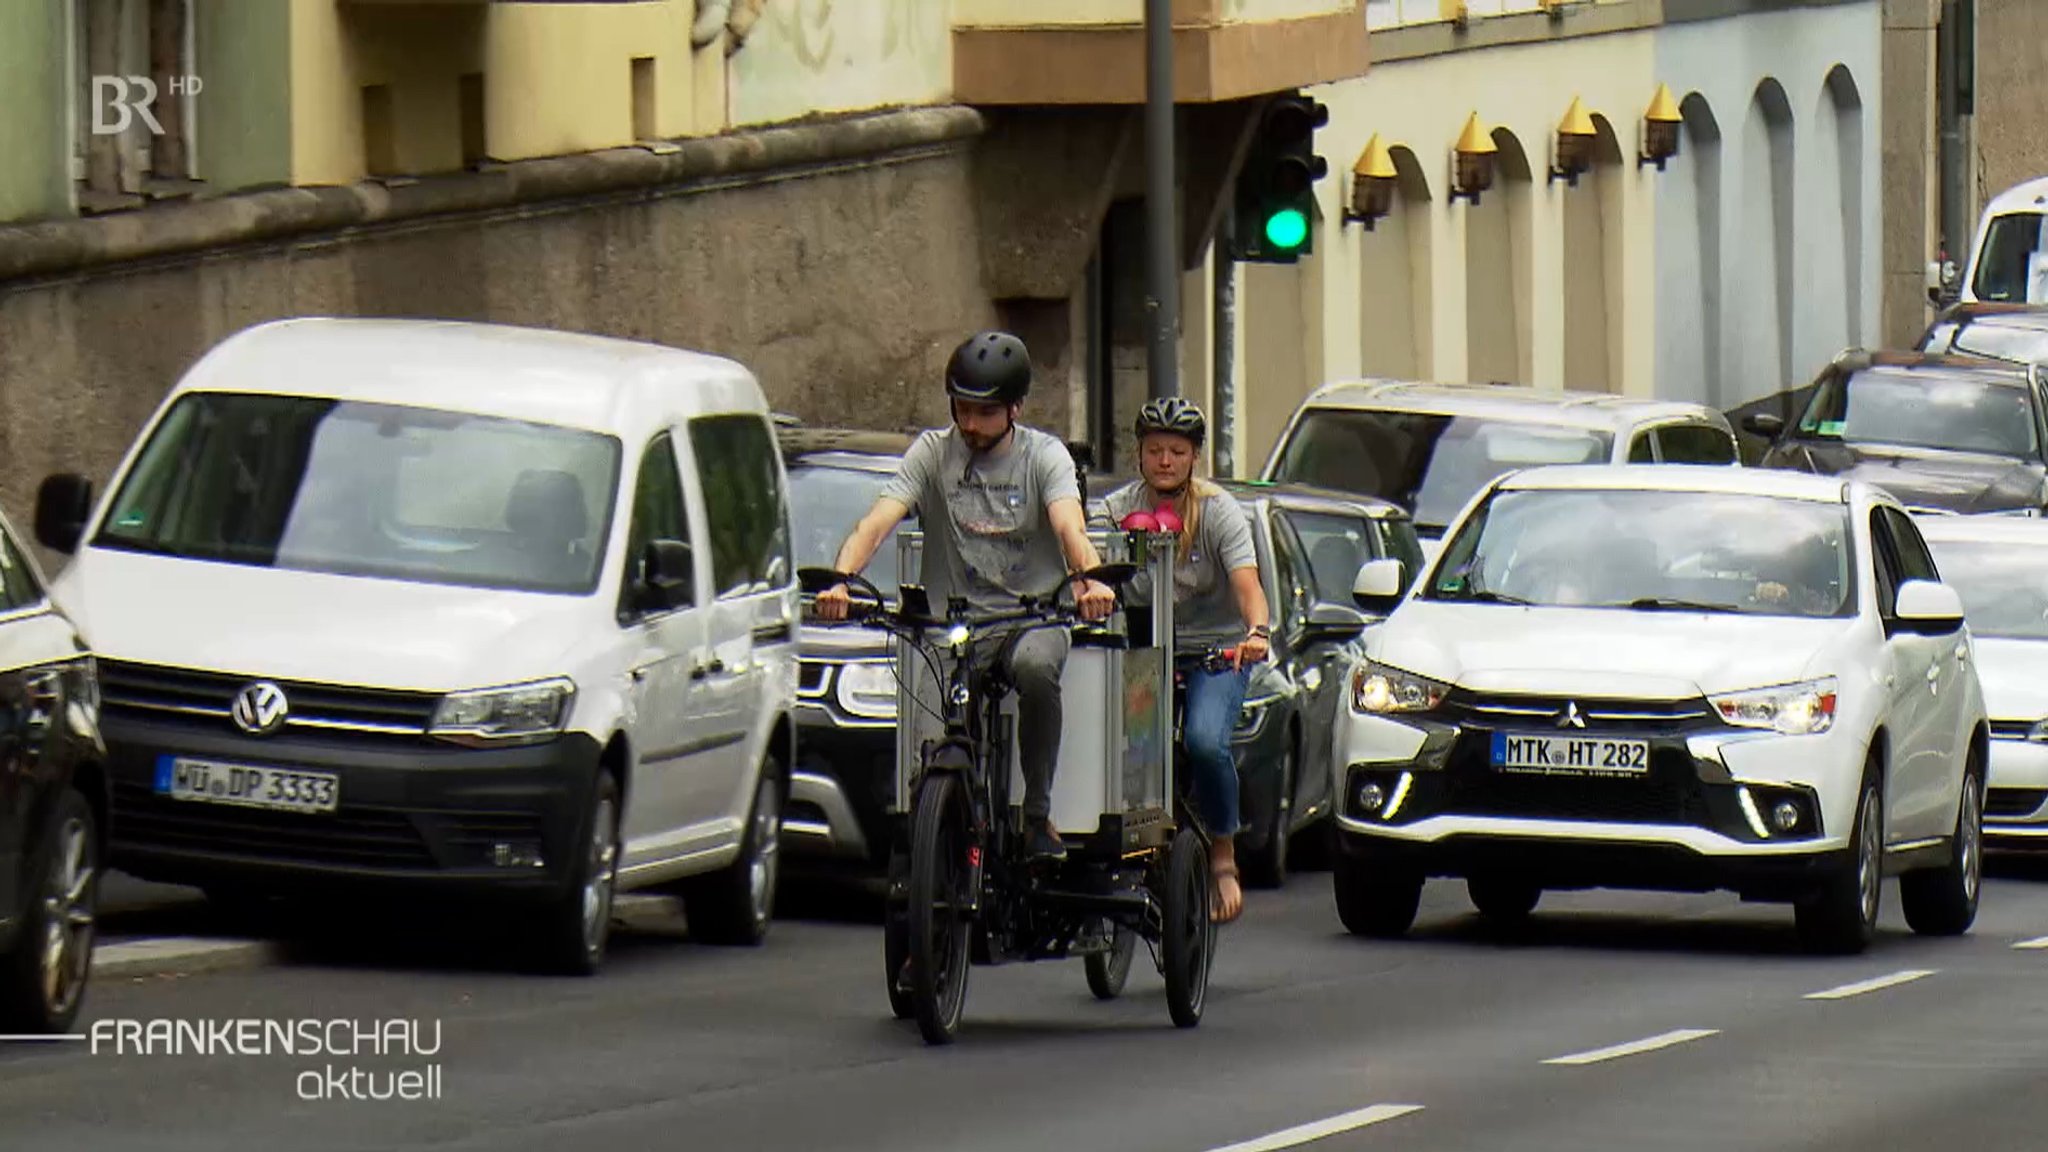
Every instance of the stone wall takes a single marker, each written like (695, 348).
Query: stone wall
(842, 269)
(2012, 95)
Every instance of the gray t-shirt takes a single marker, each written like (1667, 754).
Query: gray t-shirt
(987, 533)
(1204, 608)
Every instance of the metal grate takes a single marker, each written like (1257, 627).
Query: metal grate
(2012, 803)
(355, 837)
(161, 693)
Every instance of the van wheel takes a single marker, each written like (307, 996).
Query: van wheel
(1841, 919)
(43, 982)
(1943, 901)
(735, 904)
(579, 921)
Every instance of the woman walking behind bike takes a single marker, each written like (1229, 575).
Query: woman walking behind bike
(1219, 602)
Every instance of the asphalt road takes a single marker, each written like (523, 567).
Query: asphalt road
(1611, 1021)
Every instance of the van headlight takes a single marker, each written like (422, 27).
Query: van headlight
(514, 714)
(868, 690)
(1380, 689)
(1793, 709)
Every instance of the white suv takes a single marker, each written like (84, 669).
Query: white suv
(1674, 678)
(448, 608)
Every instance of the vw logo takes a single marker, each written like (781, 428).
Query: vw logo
(1570, 718)
(260, 708)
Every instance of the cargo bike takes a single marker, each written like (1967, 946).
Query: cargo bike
(963, 891)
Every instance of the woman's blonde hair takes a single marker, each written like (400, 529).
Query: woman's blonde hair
(1189, 508)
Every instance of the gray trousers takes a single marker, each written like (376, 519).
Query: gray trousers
(1034, 671)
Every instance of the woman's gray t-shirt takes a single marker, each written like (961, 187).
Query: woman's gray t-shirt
(1205, 609)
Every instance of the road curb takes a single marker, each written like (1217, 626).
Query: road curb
(178, 956)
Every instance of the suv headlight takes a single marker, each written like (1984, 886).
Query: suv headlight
(1793, 709)
(1380, 689)
(868, 690)
(514, 714)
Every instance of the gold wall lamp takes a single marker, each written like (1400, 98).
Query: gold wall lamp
(1660, 129)
(1472, 162)
(1372, 184)
(1575, 135)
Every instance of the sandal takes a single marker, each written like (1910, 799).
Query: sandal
(1217, 915)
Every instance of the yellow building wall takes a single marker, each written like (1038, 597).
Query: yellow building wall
(821, 56)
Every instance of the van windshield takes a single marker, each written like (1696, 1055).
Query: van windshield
(1428, 463)
(320, 485)
(2007, 262)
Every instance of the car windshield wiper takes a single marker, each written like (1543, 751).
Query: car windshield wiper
(1672, 604)
(1486, 597)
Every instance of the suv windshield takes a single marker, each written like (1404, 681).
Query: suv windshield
(825, 502)
(320, 485)
(1429, 464)
(2005, 268)
(1652, 551)
(2004, 588)
(1953, 409)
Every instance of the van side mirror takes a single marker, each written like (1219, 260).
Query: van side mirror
(1378, 586)
(63, 505)
(1928, 608)
(668, 574)
(1768, 425)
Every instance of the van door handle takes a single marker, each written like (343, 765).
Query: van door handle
(713, 668)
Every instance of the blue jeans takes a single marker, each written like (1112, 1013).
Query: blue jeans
(1214, 702)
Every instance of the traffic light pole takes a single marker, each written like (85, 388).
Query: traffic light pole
(1162, 277)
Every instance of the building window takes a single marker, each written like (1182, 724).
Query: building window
(134, 91)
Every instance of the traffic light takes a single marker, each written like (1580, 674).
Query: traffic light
(1276, 202)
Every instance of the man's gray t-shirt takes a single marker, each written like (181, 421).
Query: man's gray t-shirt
(1205, 609)
(987, 534)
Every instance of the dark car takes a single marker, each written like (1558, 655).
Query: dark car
(1942, 433)
(52, 802)
(1311, 543)
(2013, 332)
(845, 774)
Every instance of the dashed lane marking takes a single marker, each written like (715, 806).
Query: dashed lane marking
(1636, 1047)
(1864, 987)
(1318, 1129)
(2039, 942)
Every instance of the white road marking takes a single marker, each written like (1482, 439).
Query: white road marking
(1866, 986)
(1317, 1130)
(2038, 942)
(1636, 1047)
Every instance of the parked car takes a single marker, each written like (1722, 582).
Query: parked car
(1999, 566)
(1943, 432)
(447, 608)
(845, 774)
(2012, 332)
(53, 802)
(1311, 543)
(1430, 447)
(1669, 678)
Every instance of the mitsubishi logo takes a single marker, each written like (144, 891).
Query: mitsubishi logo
(1570, 718)
(260, 708)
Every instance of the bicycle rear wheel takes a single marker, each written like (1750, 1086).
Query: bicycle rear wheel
(941, 837)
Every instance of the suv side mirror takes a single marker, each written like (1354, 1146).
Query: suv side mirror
(1928, 608)
(63, 505)
(1768, 425)
(668, 573)
(1378, 586)
(1332, 624)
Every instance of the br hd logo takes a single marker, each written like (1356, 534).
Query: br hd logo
(117, 100)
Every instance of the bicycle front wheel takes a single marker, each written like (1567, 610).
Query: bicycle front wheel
(941, 836)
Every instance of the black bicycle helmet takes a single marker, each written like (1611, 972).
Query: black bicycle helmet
(990, 368)
(1172, 414)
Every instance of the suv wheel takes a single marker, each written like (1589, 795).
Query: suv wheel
(1503, 898)
(1373, 900)
(735, 904)
(1842, 917)
(1266, 867)
(1943, 901)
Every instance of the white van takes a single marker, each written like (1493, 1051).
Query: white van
(2009, 255)
(450, 607)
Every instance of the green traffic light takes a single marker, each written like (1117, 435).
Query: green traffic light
(1287, 228)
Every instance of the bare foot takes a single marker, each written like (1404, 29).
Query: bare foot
(1229, 897)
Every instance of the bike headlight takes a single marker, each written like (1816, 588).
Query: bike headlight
(514, 714)
(868, 690)
(1793, 709)
(956, 637)
(1381, 689)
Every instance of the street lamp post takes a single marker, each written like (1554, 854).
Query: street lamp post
(1162, 294)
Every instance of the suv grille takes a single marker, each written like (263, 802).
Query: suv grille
(1668, 794)
(2012, 803)
(161, 693)
(1542, 713)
